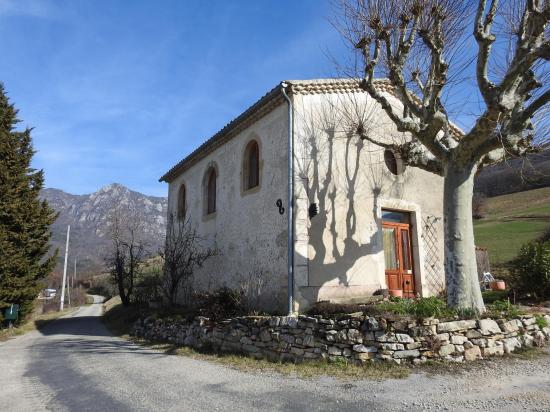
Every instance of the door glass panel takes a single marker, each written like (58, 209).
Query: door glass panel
(395, 216)
(390, 251)
(405, 245)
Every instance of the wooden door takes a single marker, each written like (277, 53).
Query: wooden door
(398, 257)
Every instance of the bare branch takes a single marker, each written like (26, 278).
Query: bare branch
(485, 40)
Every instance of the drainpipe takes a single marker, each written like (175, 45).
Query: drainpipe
(290, 207)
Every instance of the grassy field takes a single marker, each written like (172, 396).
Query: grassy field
(512, 220)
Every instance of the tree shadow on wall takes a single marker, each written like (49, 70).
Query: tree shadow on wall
(343, 175)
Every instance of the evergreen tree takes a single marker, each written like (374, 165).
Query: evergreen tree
(24, 219)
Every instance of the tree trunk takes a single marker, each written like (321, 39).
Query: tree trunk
(463, 291)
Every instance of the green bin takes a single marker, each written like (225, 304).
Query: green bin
(12, 313)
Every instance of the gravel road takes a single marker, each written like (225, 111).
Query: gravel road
(74, 364)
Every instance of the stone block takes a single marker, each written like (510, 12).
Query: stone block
(403, 338)
(488, 327)
(529, 321)
(446, 350)
(342, 336)
(414, 345)
(459, 348)
(473, 334)
(511, 344)
(371, 325)
(297, 351)
(385, 337)
(354, 336)
(527, 340)
(458, 339)
(392, 346)
(480, 342)
(426, 330)
(511, 326)
(493, 351)
(472, 353)
(346, 352)
(309, 341)
(365, 349)
(334, 351)
(468, 344)
(364, 356)
(288, 338)
(246, 341)
(455, 326)
(331, 335)
(406, 354)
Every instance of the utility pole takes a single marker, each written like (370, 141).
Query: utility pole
(74, 275)
(65, 269)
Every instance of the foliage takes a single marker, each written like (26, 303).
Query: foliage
(24, 219)
(490, 296)
(148, 288)
(118, 318)
(325, 308)
(531, 270)
(541, 321)
(103, 288)
(503, 308)
(420, 307)
(221, 304)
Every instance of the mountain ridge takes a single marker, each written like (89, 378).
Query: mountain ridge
(88, 215)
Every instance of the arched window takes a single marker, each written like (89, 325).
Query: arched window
(182, 209)
(393, 162)
(211, 191)
(251, 170)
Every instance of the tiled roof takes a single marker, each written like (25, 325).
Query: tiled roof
(265, 105)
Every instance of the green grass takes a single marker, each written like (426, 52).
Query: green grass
(512, 220)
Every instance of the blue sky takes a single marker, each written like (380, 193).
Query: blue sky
(119, 91)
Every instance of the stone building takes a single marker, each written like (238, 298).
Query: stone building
(362, 220)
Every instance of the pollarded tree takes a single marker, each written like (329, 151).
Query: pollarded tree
(412, 42)
(24, 219)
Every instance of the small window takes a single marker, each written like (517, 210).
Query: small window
(393, 162)
(211, 192)
(181, 203)
(395, 216)
(251, 166)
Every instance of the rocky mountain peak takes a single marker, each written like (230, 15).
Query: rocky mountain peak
(88, 216)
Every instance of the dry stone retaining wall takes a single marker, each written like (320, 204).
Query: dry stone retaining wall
(355, 337)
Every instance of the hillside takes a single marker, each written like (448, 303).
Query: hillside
(88, 216)
(515, 175)
(512, 220)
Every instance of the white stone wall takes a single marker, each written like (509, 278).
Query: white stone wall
(339, 253)
(246, 227)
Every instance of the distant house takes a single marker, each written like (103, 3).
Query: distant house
(362, 220)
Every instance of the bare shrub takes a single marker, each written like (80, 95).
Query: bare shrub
(128, 251)
(184, 251)
(479, 203)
